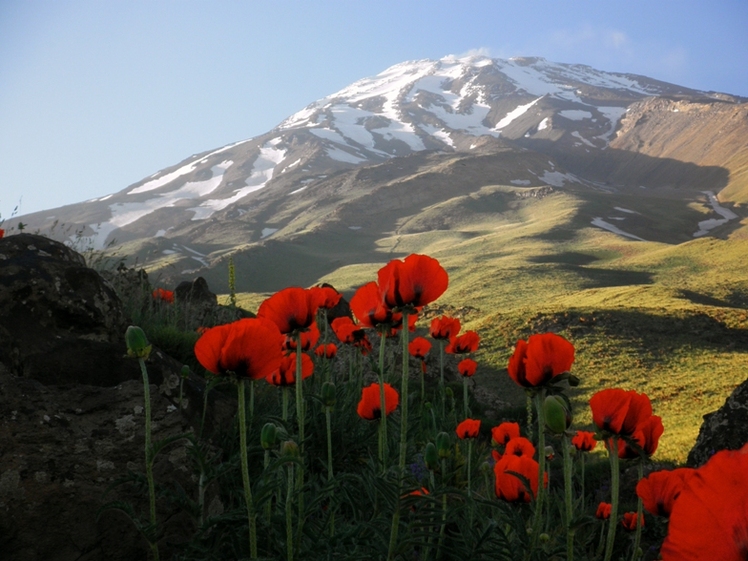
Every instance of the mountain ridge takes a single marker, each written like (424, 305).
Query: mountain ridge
(545, 124)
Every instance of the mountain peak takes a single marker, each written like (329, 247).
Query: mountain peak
(462, 104)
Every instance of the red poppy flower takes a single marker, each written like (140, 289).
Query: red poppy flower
(444, 328)
(309, 339)
(2, 233)
(369, 307)
(327, 351)
(618, 411)
(604, 510)
(709, 520)
(467, 367)
(370, 405)
(163, 295)
(248, 348)
(511, 488)
(629, 521)
(495, 455)
(469, 428)
(647, 437)
(519, 446)
(541, 358)
(659, 490)
(414, 282)
(325, 296)
(346, 331)
(419, 347)
(285, 374)
(584, 441)
(418, 492)
(503, 433)
(292, 309)
(462, 344)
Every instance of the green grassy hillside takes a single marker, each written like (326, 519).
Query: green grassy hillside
(665, 317)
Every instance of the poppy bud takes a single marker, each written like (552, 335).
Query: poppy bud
(431, 456)
(573, 381)
(289, 449)
(544, 538)
(269, 436)
(443, 444)
(328, 394)
(550, 453)
(557, 414)
(449, 393)
(185, 372)
(137, 342)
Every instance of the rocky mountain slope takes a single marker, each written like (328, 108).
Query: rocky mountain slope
(363, 161)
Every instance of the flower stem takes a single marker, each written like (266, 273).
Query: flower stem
(529, 417)
(329, 463)
(581, 467)
(404, 397)
(441, 373)
(615, 484)
(382, 406)
(289, 516)
(569, 499)
(300, 418)
(539, 399)
(403, 439)
(149, 456)
(465, 395)
(443, 527)
(245, 471)
(639, 514)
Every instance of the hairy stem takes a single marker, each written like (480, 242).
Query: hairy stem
(251, 518)
(615, 484)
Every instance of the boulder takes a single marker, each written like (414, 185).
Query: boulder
(199, 306)
(73, 412)
(59, 321)
(724, 429)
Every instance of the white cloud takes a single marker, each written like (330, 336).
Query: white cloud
(481, 51)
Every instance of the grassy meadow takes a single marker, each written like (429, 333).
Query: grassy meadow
(664, 317)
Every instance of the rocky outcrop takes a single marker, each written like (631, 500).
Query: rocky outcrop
(199, 307)
(72, 412)
(60, 323)
(724, 429)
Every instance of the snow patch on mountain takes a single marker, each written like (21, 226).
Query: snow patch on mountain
(343, 156)
(556, 178)
(575, 114)
(262, 172)
(512, 115)
(613, 115)
(127, 213)
(725, 213)
(600, 223)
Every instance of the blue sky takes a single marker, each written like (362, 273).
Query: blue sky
(97, 95)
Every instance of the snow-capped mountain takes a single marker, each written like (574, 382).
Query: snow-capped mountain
(553, 122)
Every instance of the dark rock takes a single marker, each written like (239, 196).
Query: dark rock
(341, 309)
(195, 292)
(61, 448)
(59, 321)
(72, 411)
(199, 306)
(724, 429)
